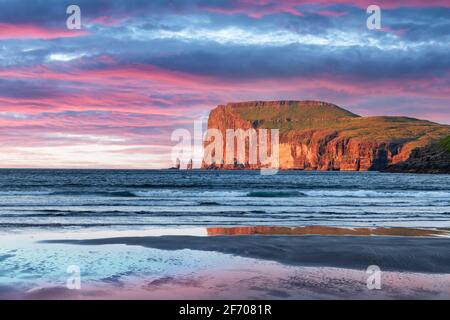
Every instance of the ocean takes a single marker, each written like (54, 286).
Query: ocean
(48, 200)
(150, 234)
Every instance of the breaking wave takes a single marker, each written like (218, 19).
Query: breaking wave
(275, 194)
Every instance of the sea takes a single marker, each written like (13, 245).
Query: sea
(49, 200)
(40, 210)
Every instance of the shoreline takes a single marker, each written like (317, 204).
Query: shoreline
(197, 265)
(256, 281)
(398, 254)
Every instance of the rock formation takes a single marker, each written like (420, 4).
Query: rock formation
(322, 136)
(433, 158)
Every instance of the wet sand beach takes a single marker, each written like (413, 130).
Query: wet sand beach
(245, 266)
(247, 263)
(403, 254)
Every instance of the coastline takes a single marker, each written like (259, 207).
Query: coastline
(245, 267)
(258, 281)
(194, 264)
(400, 254)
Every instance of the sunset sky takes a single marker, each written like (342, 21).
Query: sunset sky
(110, 95)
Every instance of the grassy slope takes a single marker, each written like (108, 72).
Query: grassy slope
(445, 144)
(299, 116)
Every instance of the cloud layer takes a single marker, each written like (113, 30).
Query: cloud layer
(137, 70)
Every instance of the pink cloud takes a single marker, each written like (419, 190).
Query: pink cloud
(257, 8)
(107, 21)
(132, 94)
(330, 13)
(141, 77)
(28, 31)
(260, 8)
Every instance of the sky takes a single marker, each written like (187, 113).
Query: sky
(111, 94)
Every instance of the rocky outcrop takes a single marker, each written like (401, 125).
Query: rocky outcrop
(321, 136)
(322, 150)
(429, 159)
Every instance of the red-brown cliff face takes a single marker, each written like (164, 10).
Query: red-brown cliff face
(433, 158)
(321, 136)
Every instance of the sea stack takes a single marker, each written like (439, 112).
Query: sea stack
(190, 165)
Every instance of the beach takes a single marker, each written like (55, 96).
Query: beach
(402, 254)
(223, 235)
(229, 267)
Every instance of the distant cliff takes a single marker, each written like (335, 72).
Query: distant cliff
(322, 136)
(434, 158)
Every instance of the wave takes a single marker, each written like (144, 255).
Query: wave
(122, 194)
(377, 194)
(350, 194)
(209, 203)
(62, 225)
(73, 213)
(275, 194)
(165, 194)
(25, 193)
(258, 211)
(69, 193)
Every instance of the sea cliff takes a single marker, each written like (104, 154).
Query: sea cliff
(317, 135)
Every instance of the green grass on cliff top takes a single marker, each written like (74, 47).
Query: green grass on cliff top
(445, 144)
(291, 117)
